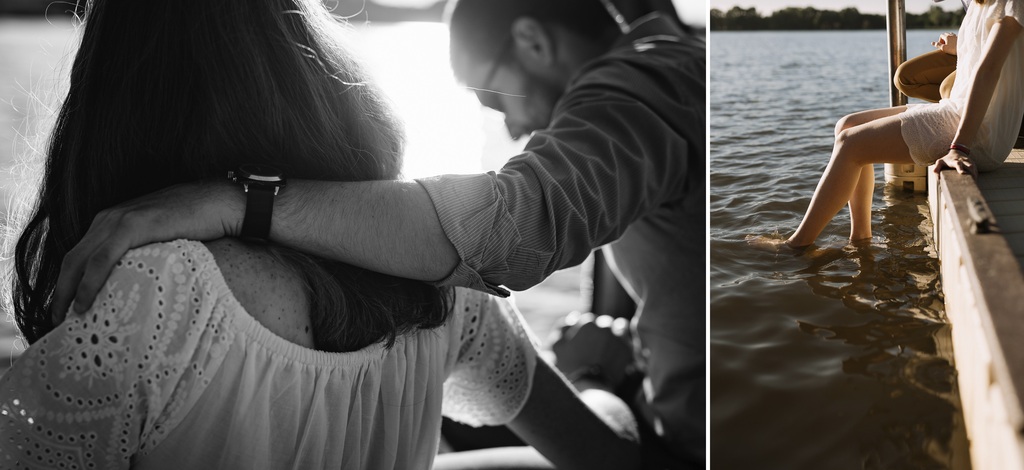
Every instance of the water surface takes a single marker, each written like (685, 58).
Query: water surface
(839, 357)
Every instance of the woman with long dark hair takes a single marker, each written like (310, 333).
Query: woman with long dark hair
(241, 354)
(972, 130)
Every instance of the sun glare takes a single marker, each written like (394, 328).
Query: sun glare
(447, 130)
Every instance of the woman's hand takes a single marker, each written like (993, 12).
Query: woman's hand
(955, 160)
(946, 43)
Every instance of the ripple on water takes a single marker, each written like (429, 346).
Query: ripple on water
(839, 356)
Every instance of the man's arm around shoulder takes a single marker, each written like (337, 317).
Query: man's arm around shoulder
(341, 221)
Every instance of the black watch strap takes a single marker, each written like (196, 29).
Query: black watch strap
(259, 210)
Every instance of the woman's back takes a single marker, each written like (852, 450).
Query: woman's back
(169, 370)
(267, 288)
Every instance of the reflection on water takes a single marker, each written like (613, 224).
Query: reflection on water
(837, 357)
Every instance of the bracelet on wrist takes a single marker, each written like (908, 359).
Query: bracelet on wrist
(960, 148)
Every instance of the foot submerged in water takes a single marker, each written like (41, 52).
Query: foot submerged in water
(774, 243)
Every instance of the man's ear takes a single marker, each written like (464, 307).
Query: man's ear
(533, 42)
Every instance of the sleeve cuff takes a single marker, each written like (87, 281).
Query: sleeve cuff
(475, 219)
(464, 276)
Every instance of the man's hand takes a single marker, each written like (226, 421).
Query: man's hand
(199, 211)
(587, 344)
(956, 161)
(946, 43)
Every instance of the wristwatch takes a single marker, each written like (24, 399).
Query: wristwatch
(261, 183)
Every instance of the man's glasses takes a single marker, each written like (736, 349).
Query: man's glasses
(503, 55)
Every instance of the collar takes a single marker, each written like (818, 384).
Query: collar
(649, 29)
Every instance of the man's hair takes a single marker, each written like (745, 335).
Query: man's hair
(479, 28)
(163, 93)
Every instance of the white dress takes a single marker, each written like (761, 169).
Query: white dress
(168, 371)
(928, 129)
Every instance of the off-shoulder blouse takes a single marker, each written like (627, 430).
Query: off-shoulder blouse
(168, 371)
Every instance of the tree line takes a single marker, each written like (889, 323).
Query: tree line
(809, 18)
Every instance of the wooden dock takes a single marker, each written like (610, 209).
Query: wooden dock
(984, 294)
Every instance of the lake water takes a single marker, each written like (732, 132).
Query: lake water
(838, 358)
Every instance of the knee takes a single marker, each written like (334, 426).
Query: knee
(843, 140)
(842, 136)
(947, 85)
(899, 78)
(843, 124)
(612, 410)
(906, 77)
(845, 150)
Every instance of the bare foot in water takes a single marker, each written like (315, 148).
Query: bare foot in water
(861, 242)
(773, 243)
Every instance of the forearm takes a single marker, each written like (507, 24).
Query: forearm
(386, 226)
(568, 433)
(978, 98)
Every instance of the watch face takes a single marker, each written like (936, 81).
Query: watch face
(262, 173)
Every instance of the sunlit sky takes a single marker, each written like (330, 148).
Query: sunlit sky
(871, 6)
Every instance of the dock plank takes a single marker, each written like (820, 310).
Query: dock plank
(1015, 194)
(1011, 223)
(982, 282)
(1004, 208)
(1003, 189)
(998, 182)
(1016, 241)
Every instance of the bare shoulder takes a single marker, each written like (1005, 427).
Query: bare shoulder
(266, 287)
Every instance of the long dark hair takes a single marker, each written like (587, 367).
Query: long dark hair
(169, 92)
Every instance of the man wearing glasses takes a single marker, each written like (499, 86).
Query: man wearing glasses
(615, 108)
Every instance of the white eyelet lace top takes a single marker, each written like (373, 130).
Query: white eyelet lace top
(168, 371)
(928, 129)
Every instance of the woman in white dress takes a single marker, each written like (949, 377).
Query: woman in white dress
(231, 354)
(972, 130)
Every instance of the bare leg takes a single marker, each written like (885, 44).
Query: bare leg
(862, 139)
(860, 204)
(864, 190)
